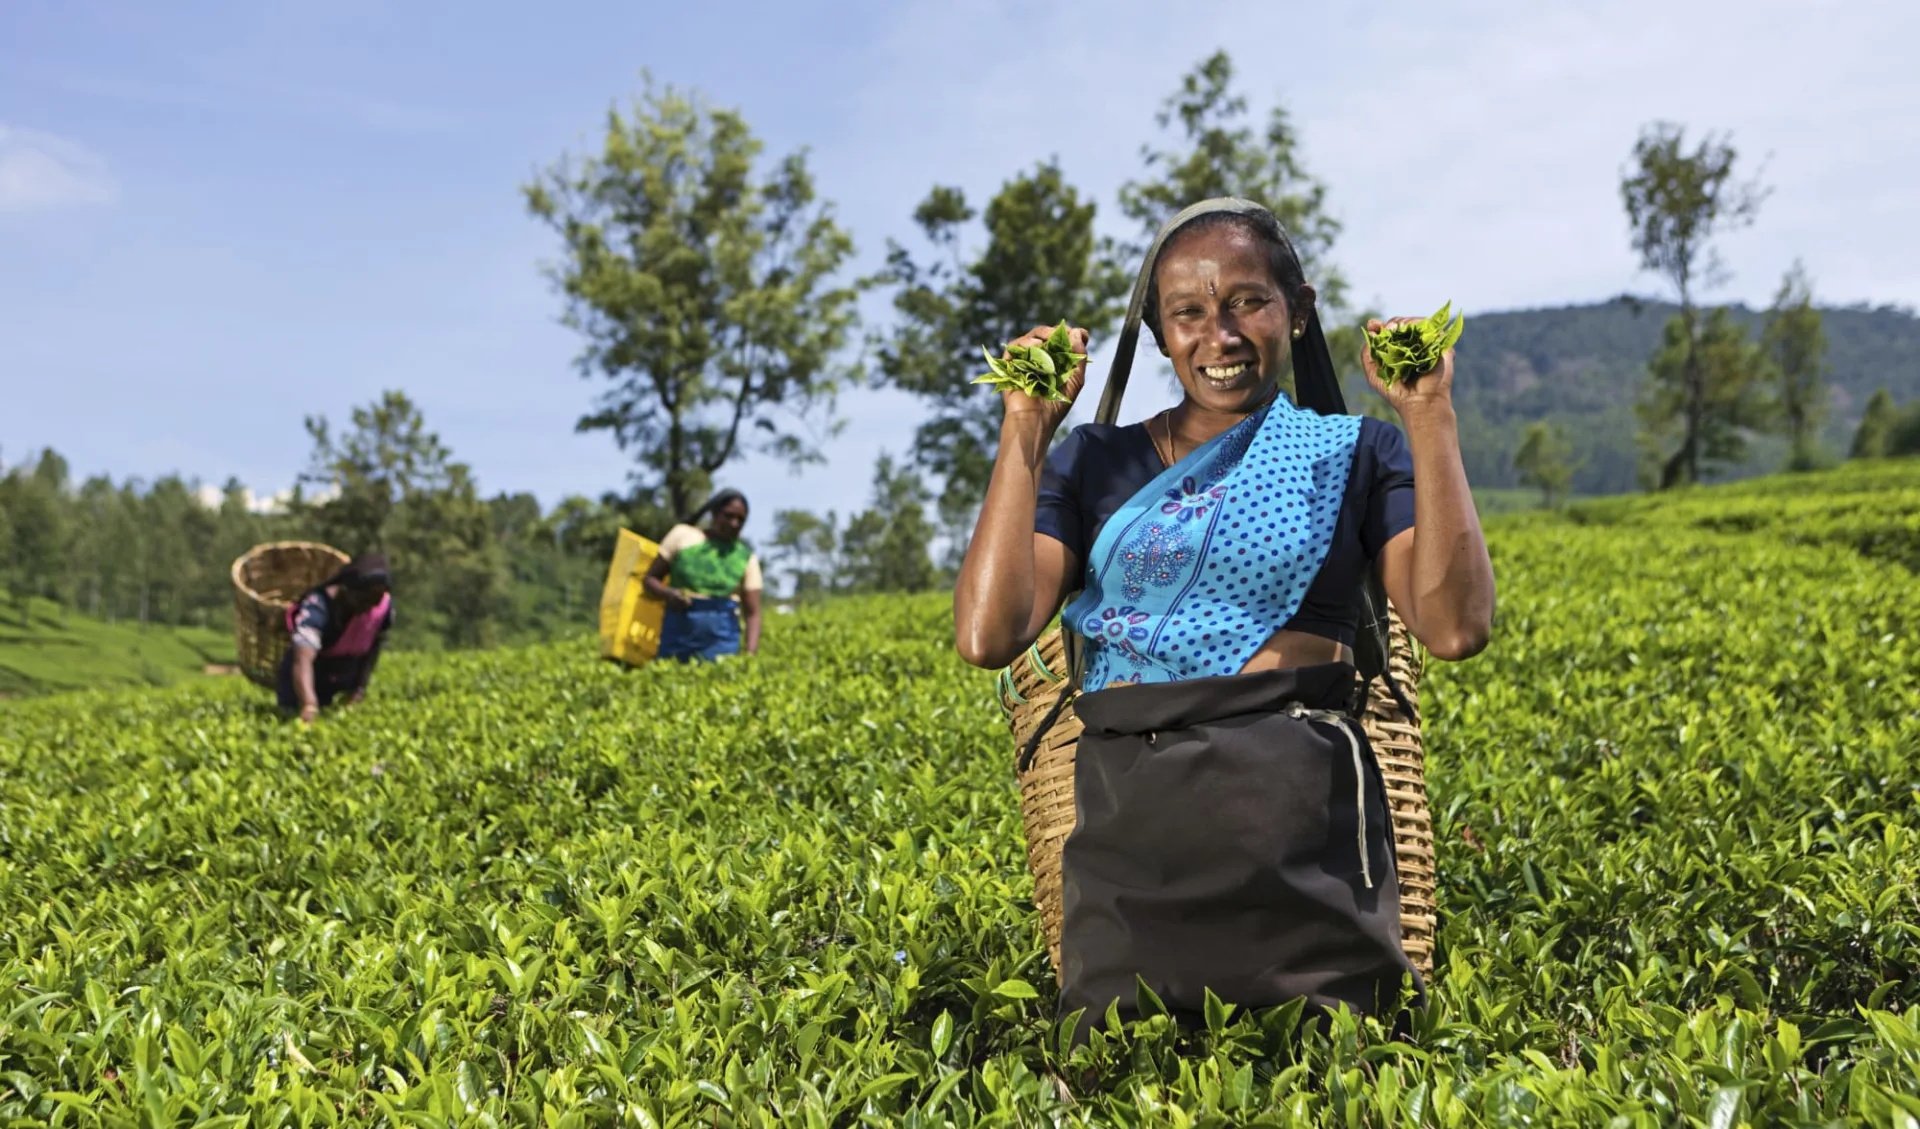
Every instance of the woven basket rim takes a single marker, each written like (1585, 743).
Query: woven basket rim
(240, 561)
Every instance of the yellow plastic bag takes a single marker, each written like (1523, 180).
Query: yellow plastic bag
(629, 618)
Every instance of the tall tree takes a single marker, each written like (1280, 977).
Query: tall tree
(396, 488)
(1544, 461)
(573, 542)
(1903, 438)
(585, 528)
(447, 560)
(805, 544)
(1704, 394)
(36, 509)
(238, 527)
(1795, 341)
(1876, 427)
(885, 547)
(386, 455)
(1041, 262)
(706, 295)
(1677, 200)
(1219, 153)
(6, 539)
(177, 529)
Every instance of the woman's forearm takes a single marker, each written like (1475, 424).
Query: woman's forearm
(1452, 589)
(994, 596)
(303, 678)
(657, 588)
(753, 631)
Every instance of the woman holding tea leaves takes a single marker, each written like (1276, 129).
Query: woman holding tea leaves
(708, 578)
(1232, 829)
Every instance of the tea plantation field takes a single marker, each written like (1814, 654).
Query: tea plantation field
(1676, 802)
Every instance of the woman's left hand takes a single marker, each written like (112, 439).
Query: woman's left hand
(1429, 389)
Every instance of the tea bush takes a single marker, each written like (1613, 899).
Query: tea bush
(1676, 807)
(1866, 505)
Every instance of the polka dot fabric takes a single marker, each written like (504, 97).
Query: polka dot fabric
(1200, 568)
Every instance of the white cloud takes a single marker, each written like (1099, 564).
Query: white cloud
(213, 497)
(39, 171)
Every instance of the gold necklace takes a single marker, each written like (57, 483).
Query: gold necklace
(1166, 424)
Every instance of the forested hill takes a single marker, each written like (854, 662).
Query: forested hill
(1583, 366)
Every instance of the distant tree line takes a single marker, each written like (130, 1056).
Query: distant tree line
(149, 552)
(468, 571)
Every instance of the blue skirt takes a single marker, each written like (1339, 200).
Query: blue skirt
(706, 631)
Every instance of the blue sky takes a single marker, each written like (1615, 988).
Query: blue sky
(216, 218)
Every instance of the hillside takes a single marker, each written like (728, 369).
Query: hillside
(1677, 831)
(56, 652)
(1584, 366)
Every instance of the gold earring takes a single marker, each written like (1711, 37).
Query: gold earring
(1297, 331)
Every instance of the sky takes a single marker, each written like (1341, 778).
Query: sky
(219, 218)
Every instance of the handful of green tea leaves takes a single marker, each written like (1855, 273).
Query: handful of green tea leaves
(1040, 371)
(1414, 349)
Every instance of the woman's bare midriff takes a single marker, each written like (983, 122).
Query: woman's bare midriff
(1287, 649)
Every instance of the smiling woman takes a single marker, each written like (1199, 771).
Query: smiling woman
(1232, 827)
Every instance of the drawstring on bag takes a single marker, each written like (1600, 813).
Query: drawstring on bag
(1345, 725)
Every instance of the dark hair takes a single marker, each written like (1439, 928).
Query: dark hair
(719, 501)
(1316, 384)
(364, 571)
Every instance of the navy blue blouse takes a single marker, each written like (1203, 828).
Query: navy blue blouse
(1097, 467)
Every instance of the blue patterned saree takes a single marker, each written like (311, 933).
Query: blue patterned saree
(1198, 570)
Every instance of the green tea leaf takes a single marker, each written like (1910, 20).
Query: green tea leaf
(942, 1034)
(1145, 1001)
(1215, 1013)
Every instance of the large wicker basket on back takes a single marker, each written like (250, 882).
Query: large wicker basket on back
(1029, 689)
(266, 581)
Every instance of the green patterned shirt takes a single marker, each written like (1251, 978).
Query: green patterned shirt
(709, 568)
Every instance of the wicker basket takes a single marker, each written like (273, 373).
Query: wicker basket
(1029, 688)
(266, 581)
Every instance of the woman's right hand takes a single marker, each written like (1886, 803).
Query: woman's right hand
(1054, 412)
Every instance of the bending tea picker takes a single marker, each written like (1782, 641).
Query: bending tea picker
(337, 629)
(1215, 568)
(710, 580)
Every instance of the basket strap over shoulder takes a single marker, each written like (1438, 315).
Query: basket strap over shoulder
(1076, 667)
